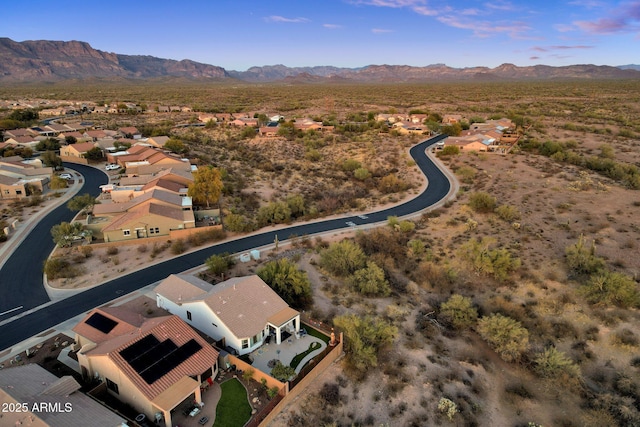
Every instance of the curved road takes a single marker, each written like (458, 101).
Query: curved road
(35, 322)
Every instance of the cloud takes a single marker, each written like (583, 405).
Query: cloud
(380, 31)
(564, 28)
(332, 26)
(625, 18)
(470, 12)
(561, 47)
(277, 18)
(534, 58)
(486, 28)
(500, 5)
(390, 3)
(588, 4)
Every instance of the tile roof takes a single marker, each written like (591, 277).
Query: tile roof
(162, 328)
(34, 384)
(244, 304)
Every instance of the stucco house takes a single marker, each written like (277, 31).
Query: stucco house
(40, 389)
(153, 364)
(75, 151)
(241, 311)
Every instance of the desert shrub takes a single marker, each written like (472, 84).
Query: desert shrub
(178, 247)
(351, 165)
(625, 337)
(85, 251)
(248, 374)
(498, 263)
(290, 283)
(370, 281)
(611, 288)
(112, 250)
(330, 394)
(450, 150)
(392, 184)
(272, 392)
(218, 264)
(467, 174)
(505, 335)
(142, 249)
(508, 213)
(58, 267)
(361, 174)
(273, 213)
(482, 202)
(552, 363)
(365, 338)
(581, 258)
(342, 258)
(447, 407)
(406, 226)
(458, 311)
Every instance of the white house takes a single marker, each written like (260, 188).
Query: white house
(244, 311)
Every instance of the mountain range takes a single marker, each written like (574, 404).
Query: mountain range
(50, 61)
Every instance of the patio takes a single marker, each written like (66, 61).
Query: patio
(285, 352)
(210, 398)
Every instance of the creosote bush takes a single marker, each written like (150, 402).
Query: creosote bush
(505, 335)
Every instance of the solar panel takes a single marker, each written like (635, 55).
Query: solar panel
(169, 361)
(139, 347)
(101, 323)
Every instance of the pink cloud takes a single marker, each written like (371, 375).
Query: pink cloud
(623, 19)
(277, 18)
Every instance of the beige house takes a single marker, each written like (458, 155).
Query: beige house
(33, 385)
(157, 141)
(16, 174)
(244, 312)
(72, 152)
(153, 364)
(152, 214)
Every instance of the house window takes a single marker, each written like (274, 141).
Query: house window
(245, 343)
(126, 232)
(189, 315)
(214, 325)
(18, 192)
(112, 386)
(255, 339)
(154, 230)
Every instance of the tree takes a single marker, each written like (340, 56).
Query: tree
(79, 203)
(505, 335)
(292, 284)
(450, 150)
(206, 186)
(459, 311)
(95, 154)
(237, 223)
(274, 213)
(64, 233)
(176, 146)
(370, 281)
(296, 205)
(452, 130)
(343, 258)
(365, 337)
(70, 139)
(282, 372)
(218, 264)
(484, 260)
(51, 159)
(611, 288)
(58, 183)
(49, 144)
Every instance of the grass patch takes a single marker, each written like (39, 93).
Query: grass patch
(233, 409)
(298, 357)
(316, 333)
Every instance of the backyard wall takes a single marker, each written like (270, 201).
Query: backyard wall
(302, 385)
(258, 375)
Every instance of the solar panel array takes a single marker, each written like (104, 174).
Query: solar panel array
(153, 359)
(101, 323)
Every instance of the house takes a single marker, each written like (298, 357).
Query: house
(71, 152)
(474, 142)
(242, 311)
(450, 119)
(242, 122)
(130, 132)
(151, 214)
(50, 401)
(14, 133)
(157, 141)
(94, 135)
(405, 128)
(143, 160)
(207, 117)
(152, 364)
(25, 141)
(17, 175)
(269, 131)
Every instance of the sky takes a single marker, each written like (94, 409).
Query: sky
(343, 33)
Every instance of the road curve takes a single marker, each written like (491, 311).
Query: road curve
(36, 321)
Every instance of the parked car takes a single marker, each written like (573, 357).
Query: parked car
(112, 166)
(66, 176)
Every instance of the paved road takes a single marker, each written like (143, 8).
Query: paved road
(21, 275)
(39, 320)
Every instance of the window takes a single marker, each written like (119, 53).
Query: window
(189, 315)
(126, 232)
(245, 343)
(154, 230)
(214, 325)
(18, 192)
(112, 386)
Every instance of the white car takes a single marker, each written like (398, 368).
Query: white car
(66, 176)
(112, 167)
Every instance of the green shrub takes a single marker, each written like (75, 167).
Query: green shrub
(370, 281)
(552, 363)
(178, 247)
(611, 288)
(459, 311)
(482, 202)
(505, 335)
(581, 258)
(508, 213)
(342, 258)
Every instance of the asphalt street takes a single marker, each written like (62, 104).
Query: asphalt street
(23, 286)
